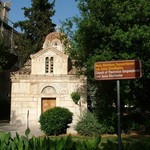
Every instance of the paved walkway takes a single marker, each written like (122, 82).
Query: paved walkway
(35, 130)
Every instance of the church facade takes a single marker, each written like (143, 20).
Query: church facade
(46, 81)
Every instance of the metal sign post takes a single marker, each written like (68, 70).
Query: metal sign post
(118, 114)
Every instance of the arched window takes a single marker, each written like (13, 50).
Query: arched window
(46, 65)
(51, 64)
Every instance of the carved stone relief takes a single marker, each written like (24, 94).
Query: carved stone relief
(48, 90)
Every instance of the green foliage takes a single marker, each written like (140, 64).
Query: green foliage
(55, 121)
(135, 126)
(112, 30)
(7, 142)
(107, 128)
(108, 123)
(110, 145)
(16, 143)
(134, 145)
(3, 60)
(27, 132)
(35, 28)
(88, 125)
(136, 121)
(23, 49)
(67, 143)
(75, 97)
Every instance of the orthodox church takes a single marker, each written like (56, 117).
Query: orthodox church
(46, 81)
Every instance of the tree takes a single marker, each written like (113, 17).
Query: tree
(7, 58)
(3, 60)
(112, 30)
(35, 28)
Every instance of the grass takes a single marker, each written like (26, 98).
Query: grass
(126, 138)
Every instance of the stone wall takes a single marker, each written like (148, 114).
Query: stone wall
(28, 90)
(60, 63)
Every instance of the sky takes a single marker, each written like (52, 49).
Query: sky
(64, 9)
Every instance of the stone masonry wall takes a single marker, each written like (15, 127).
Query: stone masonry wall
(27, 92)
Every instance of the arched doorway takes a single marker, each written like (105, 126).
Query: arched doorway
(48, 99)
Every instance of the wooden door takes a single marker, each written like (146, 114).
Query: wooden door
(48, 103)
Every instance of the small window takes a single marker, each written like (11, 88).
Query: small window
(51, 64)
(46, 65)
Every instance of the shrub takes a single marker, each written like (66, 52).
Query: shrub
(75, 97)
(109, 124)
(88, 125)
(108, 121)
(55, 121)
(107, 128)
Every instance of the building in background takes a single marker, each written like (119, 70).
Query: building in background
(8, 33)
(4, 11)
(6, 26)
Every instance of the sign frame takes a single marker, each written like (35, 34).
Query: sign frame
(117, 70)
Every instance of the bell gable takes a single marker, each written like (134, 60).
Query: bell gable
(51, 59)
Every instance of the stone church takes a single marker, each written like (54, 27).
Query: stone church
(46, 81)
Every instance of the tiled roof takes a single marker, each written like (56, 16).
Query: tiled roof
(25, 70)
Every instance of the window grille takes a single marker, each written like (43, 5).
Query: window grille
(46, 65)
(51, 64)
